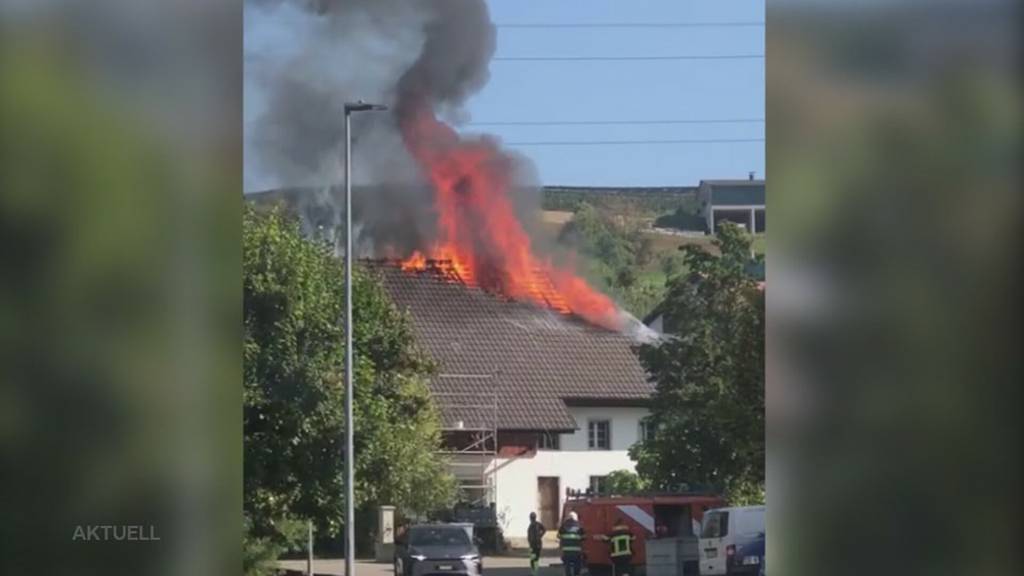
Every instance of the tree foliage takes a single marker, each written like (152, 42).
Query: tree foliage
(624, 482)
(708, 409)
(649, 201)
(294, 390)
(619, 250)
(684, 218)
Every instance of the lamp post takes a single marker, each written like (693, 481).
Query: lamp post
(350, 533)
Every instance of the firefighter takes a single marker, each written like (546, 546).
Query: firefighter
(570, 540)
(535, 535)
(621, 541)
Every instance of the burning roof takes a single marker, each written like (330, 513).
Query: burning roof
(536, 359)
(421, 184)
(498, 306)
(477, 227)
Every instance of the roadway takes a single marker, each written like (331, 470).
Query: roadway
(493, 566)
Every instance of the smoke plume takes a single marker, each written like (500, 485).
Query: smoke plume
(304, 59)
(423, 190)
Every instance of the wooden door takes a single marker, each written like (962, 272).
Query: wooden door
(547, 501)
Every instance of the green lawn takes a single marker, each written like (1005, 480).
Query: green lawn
(664, 242)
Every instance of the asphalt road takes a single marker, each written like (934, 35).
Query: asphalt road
(493, 566)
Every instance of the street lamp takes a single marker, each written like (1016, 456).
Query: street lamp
(350, 533)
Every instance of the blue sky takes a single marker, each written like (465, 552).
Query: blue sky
(647, 90)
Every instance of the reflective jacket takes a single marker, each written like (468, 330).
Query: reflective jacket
(570, 538)
(621, 540)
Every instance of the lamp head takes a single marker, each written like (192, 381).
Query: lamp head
(360, 106)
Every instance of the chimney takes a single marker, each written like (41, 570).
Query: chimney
(751, 174)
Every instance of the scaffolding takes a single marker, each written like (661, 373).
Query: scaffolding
(469, 429)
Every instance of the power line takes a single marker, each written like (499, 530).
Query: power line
(631, 142)
(623, 58)
(613, 122)
(634, 25)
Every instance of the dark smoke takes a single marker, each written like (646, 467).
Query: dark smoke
(453, 64)
(305, 59)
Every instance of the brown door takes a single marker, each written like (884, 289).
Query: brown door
(547, 501)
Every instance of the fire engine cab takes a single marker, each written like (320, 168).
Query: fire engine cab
(662, 521)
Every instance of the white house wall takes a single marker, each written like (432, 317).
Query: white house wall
(573, 464)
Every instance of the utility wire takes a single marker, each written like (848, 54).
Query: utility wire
(623, 58)
(613, 122)
(630, 142)
(633, 25)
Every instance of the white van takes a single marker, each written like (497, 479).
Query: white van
(732, 541)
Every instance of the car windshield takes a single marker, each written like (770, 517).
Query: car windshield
(438, 537)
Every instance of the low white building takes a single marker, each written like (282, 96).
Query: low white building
(537, 479)
(534, 402)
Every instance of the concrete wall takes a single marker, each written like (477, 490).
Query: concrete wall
(704, 195)
(515, 479)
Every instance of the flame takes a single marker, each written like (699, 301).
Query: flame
(415, 262)
(478, 232)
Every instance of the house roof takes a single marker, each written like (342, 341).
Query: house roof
(532, 359)
(736, 192)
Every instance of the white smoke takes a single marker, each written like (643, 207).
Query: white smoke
(635, 329)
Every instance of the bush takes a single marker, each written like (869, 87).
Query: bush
(683, 219)
(260, 553)
(624, 482)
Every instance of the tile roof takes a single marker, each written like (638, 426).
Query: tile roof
(531, 358)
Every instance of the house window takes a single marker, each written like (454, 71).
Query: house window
(647, 429)
(599, 436)
(598, 484)
(548, 441)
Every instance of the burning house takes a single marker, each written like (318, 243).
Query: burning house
(539, 387)
(534, 399)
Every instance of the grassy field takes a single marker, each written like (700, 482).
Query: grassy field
(552, 222)
(663, 242)
(555, 216)
(650, 278)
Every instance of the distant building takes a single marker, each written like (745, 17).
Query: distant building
(739, 201)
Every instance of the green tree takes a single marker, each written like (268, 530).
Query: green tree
(671, 264)
(708, 409)
(624, 482)
(618, 252)
(293, 303)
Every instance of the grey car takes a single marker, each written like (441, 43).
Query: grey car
(433, 549)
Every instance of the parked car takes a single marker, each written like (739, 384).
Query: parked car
(732, 541)
(437, 549)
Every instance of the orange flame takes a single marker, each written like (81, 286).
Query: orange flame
(478, 232)
(415, 262)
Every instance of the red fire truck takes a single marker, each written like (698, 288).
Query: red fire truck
(667, 515)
